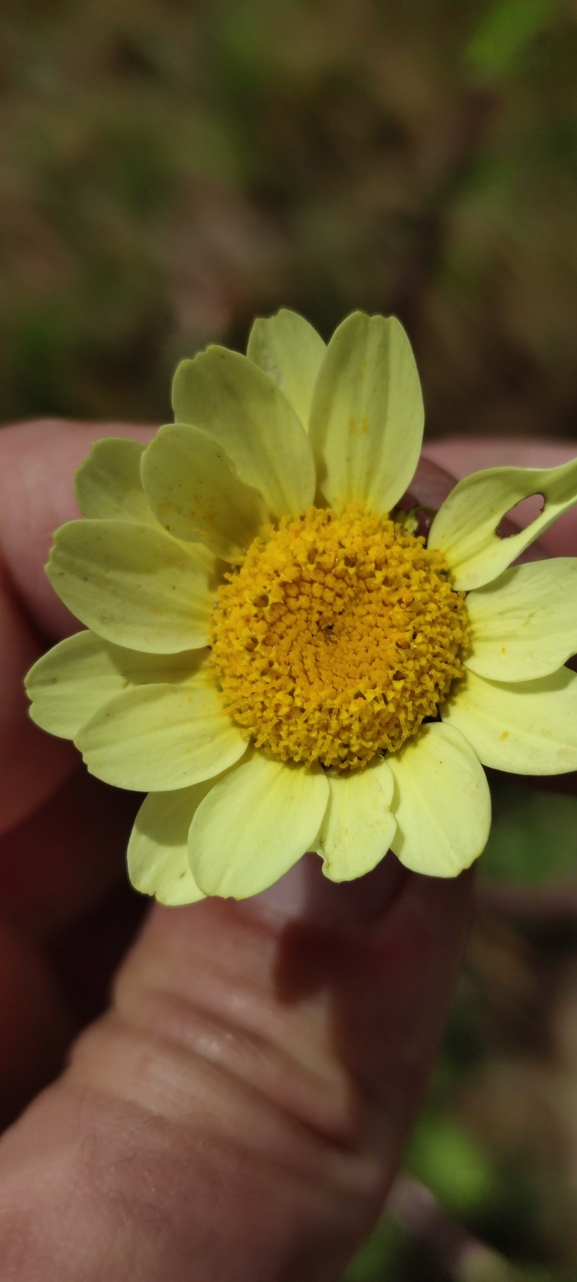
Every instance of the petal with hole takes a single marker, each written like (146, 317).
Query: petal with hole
(465, 528)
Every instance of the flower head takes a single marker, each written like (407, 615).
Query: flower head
(274, 653)
(336, 637)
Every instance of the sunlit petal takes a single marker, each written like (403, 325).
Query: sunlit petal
(133, 585)
(195, 493)
(226, 395)
(366, 424)
(158, 862)
(529, 727)
(289, 350)
(79, 675)
(159, 737)
(442, 803)
(358, 826)
(108, 484)
(254, 825)
(524, 624)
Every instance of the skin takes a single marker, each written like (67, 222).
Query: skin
(239, 1110)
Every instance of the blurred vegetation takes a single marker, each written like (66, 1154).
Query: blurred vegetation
(167, 170)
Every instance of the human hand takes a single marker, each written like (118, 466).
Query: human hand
(239, 1111)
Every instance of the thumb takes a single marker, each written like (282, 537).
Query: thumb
(238, 1113)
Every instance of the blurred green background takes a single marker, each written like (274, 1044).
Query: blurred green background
(167, 170)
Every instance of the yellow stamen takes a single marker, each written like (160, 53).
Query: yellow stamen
(336, 636)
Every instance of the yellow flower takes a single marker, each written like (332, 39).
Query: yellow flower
(279, 663)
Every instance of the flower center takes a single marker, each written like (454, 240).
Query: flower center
(336, 636)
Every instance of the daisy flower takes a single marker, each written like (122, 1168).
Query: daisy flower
(274, 654)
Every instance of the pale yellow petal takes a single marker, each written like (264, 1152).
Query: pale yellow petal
(254, 825)
(441, 803)
(195, 493)
(79, 675)
(135, 586)
(159, 737)
(108, 484)
(358, 826)
(158, 862)
(529, 727)
(225, 395)
(524, 624)
(366, 424)
(465, 528)
(289, 350)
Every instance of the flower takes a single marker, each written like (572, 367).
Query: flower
(274, 654)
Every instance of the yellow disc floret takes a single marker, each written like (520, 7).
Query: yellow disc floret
(336, 636)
